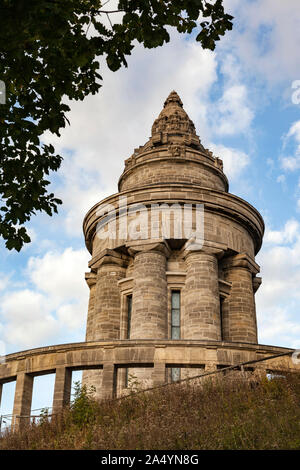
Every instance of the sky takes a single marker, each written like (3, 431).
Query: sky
(244, 99)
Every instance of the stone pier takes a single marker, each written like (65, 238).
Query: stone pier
(23, 398)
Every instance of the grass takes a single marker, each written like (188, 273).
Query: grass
(223, 413)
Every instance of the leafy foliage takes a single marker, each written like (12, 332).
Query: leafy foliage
(48, 52)
(83, 405)
(219, 413)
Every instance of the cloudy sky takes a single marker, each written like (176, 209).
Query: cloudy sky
(244, 101)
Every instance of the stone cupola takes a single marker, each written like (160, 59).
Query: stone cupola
(173, 154)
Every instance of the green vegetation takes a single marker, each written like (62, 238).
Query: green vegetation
(224, 413)
(50, 52)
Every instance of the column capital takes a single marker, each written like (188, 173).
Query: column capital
(91, 279)
(108, 256)
(210, 248)
(139, 246)
(241, 260)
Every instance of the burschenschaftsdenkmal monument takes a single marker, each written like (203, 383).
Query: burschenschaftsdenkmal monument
(172, 277)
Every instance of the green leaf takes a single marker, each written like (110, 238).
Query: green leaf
(49, 53)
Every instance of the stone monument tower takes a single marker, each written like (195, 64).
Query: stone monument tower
(173, 253)
(172, 278)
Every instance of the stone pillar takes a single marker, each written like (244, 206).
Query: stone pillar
(238, 312)
(201, 295)
(108, 389)
(149, 296)
(22, 400)
(62, 389)
(91, 279)
(105, 322)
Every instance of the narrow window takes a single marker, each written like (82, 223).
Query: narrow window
(129, 308)
(175, 328)
(175, 374)
(175, 315)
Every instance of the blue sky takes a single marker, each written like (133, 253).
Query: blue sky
(240, 98)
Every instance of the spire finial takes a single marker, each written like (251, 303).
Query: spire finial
(173, 98)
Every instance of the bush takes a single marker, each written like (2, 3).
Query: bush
(223, 413)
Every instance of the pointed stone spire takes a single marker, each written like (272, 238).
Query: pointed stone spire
(174, 126)
(173, 142)
(173, 98)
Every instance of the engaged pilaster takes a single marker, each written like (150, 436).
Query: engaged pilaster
(149, 296)
(238, 312)
(201, 295)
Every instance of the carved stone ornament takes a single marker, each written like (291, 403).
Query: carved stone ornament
(176, 150)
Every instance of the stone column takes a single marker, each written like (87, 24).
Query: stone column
(149, 296)
(62, 389)
(91, 279)
(105, 322)
(22, 400)
(104, 315)
(201, 295)
(238, 312)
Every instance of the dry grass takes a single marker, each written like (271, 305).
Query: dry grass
(224, 413)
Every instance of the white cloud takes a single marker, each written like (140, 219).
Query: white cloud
(27, 319)
(278, 298)
(292, 162)
(264, 38)
(106, 128)
(56, 303)
(235, 115)
(280, 179)
(60, 275)
(294, 131)
(288, 234)
(232, 113)
(278, 327)
(4, 281)
(234, 160)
